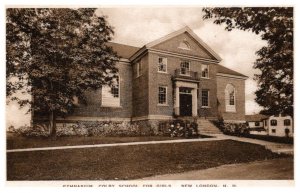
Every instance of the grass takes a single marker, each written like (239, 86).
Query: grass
(130, 162)
(19, 142)
(287, 140)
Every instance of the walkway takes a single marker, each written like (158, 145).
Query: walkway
(275, 169)
(274, 147)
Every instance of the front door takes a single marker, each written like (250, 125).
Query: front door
(185, 101)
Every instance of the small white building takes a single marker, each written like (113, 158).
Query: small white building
(275, 125)
(278, 125)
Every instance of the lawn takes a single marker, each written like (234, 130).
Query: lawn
(130, 162)
(19, 142)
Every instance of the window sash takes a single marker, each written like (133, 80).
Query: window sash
(273, 122)
(139, 69)
(185, 68)
(287, 122)
(205, 98)
(162, 95)
(162, 64)
(204, 71)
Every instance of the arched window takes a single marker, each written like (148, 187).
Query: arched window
(184, 45)
(230, 100)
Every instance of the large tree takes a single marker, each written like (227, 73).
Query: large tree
(275, 61)
(55, 55)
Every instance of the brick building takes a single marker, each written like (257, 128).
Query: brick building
(176, 75)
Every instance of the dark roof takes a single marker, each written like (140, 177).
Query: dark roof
(124, 51)
(224, 70)
(257, 117)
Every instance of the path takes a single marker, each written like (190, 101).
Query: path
(275, 169)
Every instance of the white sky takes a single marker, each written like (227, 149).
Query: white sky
(137, 26)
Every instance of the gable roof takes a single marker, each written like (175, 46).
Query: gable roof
(225, 70)
(124, 51)
(257, 117)
(192, 34)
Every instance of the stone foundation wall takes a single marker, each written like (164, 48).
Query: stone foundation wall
(102, 128)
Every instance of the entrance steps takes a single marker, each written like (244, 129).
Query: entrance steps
(205, 127)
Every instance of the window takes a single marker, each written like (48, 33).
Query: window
(111, 94)
(230, 98)
(162, 64)
(287, 122)
(204, 71)
(205, 98)
(184, 45)
(115, 88)
(138, 69)
(162, 95)
(185, 68)
(266, 123)
(256, 123)
(273, 130)
(273, 122)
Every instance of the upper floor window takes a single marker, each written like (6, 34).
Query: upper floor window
(273, 122)
(162, 95)
(205, 98)
(138, 69)
(256, 123)
(185, 68)
(204, 71)
(287, 122)
(230, 98)
(162, 64)
(184, 45)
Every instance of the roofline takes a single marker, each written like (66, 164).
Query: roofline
(173, 34)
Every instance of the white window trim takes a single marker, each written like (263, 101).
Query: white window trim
(208, 99)
(207, 71)
(228, 107)
(163, 104)
(166, 65)
(138, 68)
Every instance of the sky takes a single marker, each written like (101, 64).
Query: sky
(138, 26)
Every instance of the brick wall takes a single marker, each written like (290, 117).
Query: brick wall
(140, 89)
(94, 109)
(239, 85)
(164, 79)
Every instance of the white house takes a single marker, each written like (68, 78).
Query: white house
(278, 125)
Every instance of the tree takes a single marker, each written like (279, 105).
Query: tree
(275, 25)
(55, 55)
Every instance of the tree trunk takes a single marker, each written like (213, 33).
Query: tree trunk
(52, 124)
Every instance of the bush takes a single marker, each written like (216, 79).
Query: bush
(28, 131)
(236, 129)
(179, 128)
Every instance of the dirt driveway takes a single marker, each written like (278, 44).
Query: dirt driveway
(275, 169)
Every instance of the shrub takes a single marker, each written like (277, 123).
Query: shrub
(179, 128)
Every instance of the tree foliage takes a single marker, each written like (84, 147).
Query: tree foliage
(56, 55)
(275, 61)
